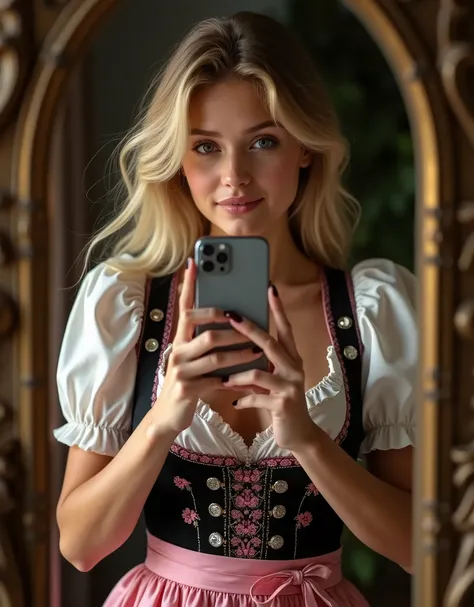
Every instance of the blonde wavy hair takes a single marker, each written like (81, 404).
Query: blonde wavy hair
(158, 223)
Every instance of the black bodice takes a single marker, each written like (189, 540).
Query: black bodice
(268, 509)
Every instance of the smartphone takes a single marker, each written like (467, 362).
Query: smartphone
(233, 274)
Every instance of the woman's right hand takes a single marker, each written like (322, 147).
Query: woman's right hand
(191, 359)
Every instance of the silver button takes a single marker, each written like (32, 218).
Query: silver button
(157, 315)
(344, 322)
(216, 540)
(151, 345)
(215, 510)
(280, 487)
(276, 542)
(279, 511)
(213, 483)
(350, 352)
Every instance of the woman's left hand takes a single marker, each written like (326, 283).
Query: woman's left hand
(284, 390)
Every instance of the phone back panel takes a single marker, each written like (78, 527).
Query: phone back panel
(242, 287)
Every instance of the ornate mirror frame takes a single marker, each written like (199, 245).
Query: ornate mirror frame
(428, 47)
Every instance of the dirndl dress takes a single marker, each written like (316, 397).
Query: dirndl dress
(225, 531)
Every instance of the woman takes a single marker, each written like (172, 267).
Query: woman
(245, 482)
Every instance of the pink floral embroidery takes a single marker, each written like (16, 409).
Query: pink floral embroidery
(279, 462)
(190, 516)
(247, 517)
(256, 515)
(303, 519)
(247, 498)
(246, 548)
(272, 462)
(219, 460)
(202, 458)
(246, 528)
(181, 483)
(247, 475)
(246, 551)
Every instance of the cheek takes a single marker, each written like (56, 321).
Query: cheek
(282, 176)
(199, 180)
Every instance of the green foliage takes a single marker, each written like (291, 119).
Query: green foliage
(373, 118)
(360, 563)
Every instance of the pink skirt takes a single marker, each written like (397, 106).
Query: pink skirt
(175, 577)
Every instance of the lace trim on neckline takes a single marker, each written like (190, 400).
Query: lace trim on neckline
(328, 387)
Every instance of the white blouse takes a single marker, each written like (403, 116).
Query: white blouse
(98, 362)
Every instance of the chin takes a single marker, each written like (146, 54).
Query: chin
(241, 228)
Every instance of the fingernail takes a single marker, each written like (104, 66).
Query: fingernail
(257, 350)
(233, 316)
(274, 290)
(188, 261)
(235, 402)
(224, 379)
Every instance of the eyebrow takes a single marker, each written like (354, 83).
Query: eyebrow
(252, 129)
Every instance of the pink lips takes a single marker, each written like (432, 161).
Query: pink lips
(239, 205)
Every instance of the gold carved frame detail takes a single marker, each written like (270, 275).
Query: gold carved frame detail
(15, 46)
(15, 57)
(428, 90)
(456, 64)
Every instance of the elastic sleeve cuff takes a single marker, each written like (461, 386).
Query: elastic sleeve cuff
(98, 439)
(384, 438)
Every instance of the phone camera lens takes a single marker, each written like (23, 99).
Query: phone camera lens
(208, 266)
(221, 257)
(208, 250)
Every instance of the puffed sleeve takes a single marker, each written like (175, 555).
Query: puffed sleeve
(97, 362)
(385, 295)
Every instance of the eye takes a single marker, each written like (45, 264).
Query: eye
(205, 147)
(265, 143)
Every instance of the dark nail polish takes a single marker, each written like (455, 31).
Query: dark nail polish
(233, 316)
(275, 290)
(224, 378)
(234, 403)
(257, 350)
(187, 263)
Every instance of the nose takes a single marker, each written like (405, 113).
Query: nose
(235, 172)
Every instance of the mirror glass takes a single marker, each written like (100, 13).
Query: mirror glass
(103, 98)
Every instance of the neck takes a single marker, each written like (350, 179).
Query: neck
(288, 265)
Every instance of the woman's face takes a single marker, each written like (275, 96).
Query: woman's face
(241, 168)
